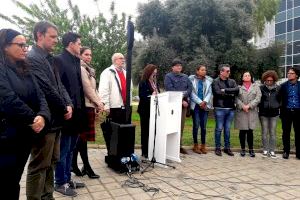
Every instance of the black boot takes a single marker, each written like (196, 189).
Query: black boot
(88, 171)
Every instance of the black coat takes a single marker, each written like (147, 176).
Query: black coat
(145, 91)
(224, 99)
(270, 101)
(70, 74)
(47, 75)
(21, 100)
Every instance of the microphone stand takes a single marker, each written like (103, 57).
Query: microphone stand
(153, 160)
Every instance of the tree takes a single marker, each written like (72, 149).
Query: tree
(103, 36)
(207, 31)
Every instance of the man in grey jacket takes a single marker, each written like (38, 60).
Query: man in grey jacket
(177, 81)
(45, 150)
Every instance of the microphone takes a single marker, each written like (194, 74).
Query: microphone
(125, 161)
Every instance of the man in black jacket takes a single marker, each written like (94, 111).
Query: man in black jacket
(290, 111)
(70, 72)
(224, 90)
(45, 150)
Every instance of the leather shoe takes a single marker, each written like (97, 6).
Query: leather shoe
(91, 174)
(218, 152)
(76, 171)
(228, 152)
(285, 155)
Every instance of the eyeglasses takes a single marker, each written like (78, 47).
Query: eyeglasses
(21, 45)
(227, 71)
(269, 80)
(291, 73)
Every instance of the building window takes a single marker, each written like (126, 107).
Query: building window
(289, 60)
(297, 23)
(282, 6)
(297, 47)
(289, 4)
(289, 25)
(297, 59)
(282, 61)
(297, 12)
(289, 48)
(296, 3)
(281, 27)
(282, 16)
(290, 14)
(280, 37)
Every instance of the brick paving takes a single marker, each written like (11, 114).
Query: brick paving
(196, 177)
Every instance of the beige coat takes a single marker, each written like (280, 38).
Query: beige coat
(92, 98)
(247, 120)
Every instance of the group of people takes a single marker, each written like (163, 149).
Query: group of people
(246, 103)
(48, 106)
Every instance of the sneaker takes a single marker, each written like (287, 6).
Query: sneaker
(218, 152)
(251, 153)
(65, 190)
(228, 152)
(272, 154)
(75, 184)
(265, 154)
(243, 152)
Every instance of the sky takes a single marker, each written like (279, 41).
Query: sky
(87, 7)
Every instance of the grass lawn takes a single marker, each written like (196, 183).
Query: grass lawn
(188, 138)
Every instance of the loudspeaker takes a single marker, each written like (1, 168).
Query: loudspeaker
(121, 144)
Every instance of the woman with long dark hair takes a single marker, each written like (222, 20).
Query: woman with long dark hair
(23, 111)
(147, 87)
(92, 104)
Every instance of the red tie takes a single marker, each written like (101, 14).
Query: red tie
(123, 85)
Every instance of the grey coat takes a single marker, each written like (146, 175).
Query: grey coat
(243, 120)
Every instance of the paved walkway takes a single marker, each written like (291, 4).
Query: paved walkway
(197, 177)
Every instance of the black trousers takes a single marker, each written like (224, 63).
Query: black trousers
(289, 117)
(117, 115)
(144, 121)
(12, 162)
(249, 134)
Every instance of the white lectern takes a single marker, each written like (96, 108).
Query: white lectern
(165, 111)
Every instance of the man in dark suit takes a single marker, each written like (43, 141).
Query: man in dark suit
(290, 111)
(45, 150)
(70, 73)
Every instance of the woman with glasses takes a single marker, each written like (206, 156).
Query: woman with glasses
(23, 111)
(147, 87)
(269, 112)
(246, 116)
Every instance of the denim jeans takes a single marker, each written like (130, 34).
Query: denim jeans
(199, 119)
(268, 127)
(63, 166)
(223, 119)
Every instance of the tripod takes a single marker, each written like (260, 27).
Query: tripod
(153, 159)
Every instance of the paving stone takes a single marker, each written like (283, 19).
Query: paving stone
(196, 177)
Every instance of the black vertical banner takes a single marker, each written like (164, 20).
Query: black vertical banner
(130, 40)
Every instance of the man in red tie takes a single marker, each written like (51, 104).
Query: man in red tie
(112, 90)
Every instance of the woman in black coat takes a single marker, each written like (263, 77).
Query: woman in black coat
(147, 87)
(23, 111)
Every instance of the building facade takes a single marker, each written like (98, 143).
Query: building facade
(287, 30)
